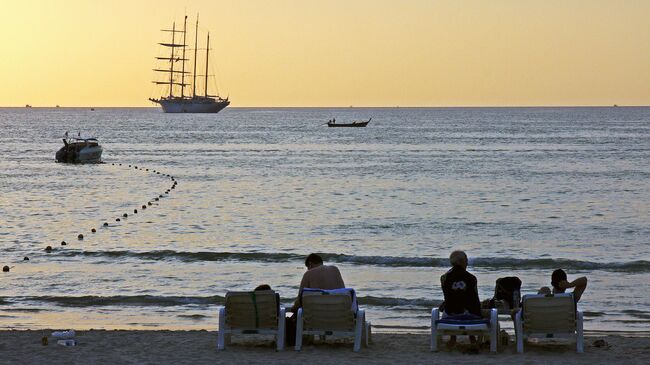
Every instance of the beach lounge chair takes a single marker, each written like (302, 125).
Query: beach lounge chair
(547, 316)
(256, 312)
(331, 313)
(450, 326)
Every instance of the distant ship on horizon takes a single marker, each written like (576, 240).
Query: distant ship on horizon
(179, 101)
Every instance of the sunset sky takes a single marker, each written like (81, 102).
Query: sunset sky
(335, 52)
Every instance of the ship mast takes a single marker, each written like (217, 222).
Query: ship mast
(207, 55)
(171, 63)
(196, 44)
(173, 59)
(183, 59)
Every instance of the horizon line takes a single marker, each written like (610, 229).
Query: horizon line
(341, 107)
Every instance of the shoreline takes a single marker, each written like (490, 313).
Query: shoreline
(199, 347)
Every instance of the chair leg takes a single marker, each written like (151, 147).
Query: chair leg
(221, 339)
(367, 333)
(299, 325)
(435, 314)
(519, 332)
(279, 338)
(494, 328)
(358, 332)
(580, 347)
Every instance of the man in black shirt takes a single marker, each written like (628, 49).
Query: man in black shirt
(461, 292)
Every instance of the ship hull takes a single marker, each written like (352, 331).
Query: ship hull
(192, 106)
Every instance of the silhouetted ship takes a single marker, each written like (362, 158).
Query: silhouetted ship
(180, 102)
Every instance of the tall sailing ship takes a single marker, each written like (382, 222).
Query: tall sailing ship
(178, 80)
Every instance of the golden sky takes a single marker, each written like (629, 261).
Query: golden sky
(335, 52)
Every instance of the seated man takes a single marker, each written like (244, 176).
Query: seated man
(318, 276)
(460, 290)
(561, 284)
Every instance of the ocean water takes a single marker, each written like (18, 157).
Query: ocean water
(522, 190)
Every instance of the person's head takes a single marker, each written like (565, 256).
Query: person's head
(458, 258)
(558, 276)
(263, 287)
(313, 261)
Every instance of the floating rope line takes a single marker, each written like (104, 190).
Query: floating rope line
(80, 237)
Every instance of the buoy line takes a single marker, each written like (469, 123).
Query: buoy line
(80, 236)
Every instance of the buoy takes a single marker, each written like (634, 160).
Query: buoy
(5, 268)
(48, 249)
(113, 164)
(117, 219)
(160, 196)
(129, 165)
(136, 167)
(105, 224)
(93, 230)
(167, 192)
(147, 169)
(156, 199)
(63, 243)
(135, 211)
(144, 207)
(25, 258)
(158, 173)
(80, 236)
(149, 203)
(125, 215)
(120, 164)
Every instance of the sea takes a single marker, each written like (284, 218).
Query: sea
(522, 191)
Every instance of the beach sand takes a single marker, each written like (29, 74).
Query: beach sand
(199, 347)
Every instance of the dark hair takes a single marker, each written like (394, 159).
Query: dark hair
(557, 276)
(263, 287)
(313, 259)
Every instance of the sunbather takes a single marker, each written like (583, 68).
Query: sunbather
(318, 276)
(561, 284)
(460, 290)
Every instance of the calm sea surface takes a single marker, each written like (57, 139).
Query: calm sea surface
(522, 190)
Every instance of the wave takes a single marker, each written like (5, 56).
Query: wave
(169, 301)
(390, 261)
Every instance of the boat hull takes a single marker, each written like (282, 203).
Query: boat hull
(203, 105)
(352, 125)
(85, 155)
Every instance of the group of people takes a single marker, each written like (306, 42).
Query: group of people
(460, 289)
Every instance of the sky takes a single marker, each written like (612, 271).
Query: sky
(334, 53)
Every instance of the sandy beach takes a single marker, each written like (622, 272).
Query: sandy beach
(199, 347)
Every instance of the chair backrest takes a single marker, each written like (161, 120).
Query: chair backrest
(324, 311)
(549, 313)
(252, 310)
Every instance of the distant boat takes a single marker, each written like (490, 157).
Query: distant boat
(27, 106)
(57, 105)
(332, 123)
(615, 106)
(182, 102)
(92, 109)
(79, 150)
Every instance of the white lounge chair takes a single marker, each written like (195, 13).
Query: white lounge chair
(256, 312)
(447, 326)
(331, 314)
(547, 316)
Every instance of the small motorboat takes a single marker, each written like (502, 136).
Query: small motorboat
(79, 150)
(332, 123)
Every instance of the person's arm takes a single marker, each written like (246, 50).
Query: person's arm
(340, 278)
(304, 283)
(580, 284)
